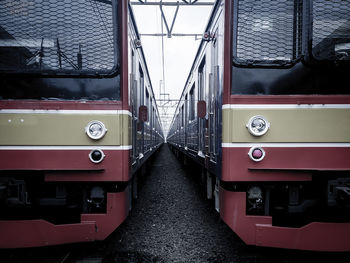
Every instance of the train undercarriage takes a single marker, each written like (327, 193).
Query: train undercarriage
(26, 196)
(295, 204)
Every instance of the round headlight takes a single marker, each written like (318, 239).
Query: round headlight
(95, 130)
(258, 125)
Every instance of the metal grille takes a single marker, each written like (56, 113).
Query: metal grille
(267, 31)
(57, 35)
(331, 29)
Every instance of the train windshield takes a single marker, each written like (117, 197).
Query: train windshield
(331, 30)
(276, 32)
(58, 36)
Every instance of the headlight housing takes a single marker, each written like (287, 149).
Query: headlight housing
(258, 125)
(95, 130)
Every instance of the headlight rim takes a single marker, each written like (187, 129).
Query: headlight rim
(250, 129)
(103, 133)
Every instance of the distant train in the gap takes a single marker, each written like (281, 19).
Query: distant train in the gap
(266, 112)
(78, 120)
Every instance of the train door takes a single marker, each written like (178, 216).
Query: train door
(213, 92)
(201, 96)
(133, 96)
(140, 127)
(182, 116)
(146, 126)
(151, 124)
(186, 120)
(192, 140)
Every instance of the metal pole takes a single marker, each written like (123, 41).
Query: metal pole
(173, 3)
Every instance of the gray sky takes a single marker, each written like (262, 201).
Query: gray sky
(179, 52)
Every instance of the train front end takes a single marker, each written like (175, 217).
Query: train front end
(286, 124)
(65, 125)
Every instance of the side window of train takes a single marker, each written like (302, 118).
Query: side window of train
(201, 80)
(202, 90)
(147, 103)
(186, 109)
(192, 103)
(132, 80)
(154, 117)
(150, 112)
(141, 87)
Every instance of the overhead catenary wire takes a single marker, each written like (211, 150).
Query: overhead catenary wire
(163, 66)
(165, 70)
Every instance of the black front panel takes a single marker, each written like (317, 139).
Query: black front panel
(297, 80)
(31, 87)
(59, 50)
(290, 47)
(58, 35)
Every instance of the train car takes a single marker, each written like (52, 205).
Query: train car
(78, 119)
(266, 112)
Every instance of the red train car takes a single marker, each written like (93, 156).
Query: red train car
(272, 123)
(72, 137)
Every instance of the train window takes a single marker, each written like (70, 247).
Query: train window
(192, 103)
(177, 121)
(153, 116)
(267, 32)
(147, 104)
(150, 111)
(201, 80)
(186, 108)
(141, 87)
(331, 30)
(183, 116)
(65, 36)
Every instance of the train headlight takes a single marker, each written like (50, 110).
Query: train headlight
(95, 130)
(258, 125)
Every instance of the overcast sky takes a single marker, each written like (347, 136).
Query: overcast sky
(179, 52)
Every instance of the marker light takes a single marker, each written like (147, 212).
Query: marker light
(258, 125)
(95, 130)
(96, 156)
(256, 154)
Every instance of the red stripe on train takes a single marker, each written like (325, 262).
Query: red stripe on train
(68, 165)
(282, 164)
